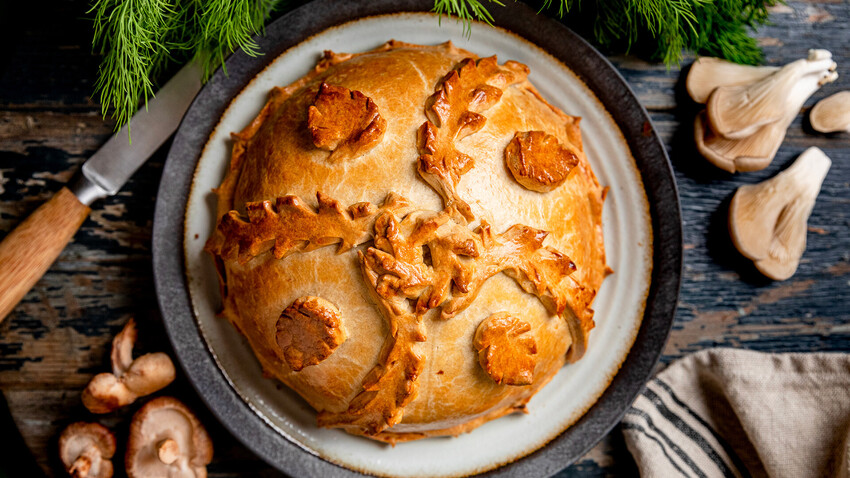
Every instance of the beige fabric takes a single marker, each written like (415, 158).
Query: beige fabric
(726, 412)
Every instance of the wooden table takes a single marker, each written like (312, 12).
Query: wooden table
(59, 336)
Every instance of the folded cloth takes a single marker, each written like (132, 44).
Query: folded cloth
(727, 412)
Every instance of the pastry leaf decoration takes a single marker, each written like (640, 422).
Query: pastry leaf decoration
(288, 224)
(454, 112)
(345, 122)
(506, 349)
(308, 332)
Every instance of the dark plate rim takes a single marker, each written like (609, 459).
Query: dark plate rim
(597, 73)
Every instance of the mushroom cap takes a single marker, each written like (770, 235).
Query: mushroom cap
(736, 112)
(86, 449)
(130, 379)
(753, 153)
(149, 373)
(708, 73)
(106, 393)
(122, 348)
(832, 114)
(167, 422)
(767, 221)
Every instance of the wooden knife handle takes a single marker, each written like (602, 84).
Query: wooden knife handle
(28, 251)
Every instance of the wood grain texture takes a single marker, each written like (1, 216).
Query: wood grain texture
(28, 251)
(58, 337)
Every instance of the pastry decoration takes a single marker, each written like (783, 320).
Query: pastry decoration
(418, 264)
(130, 378)
(454, 112)
(505, 349)
(406, 287)
(538, 161)
(308, 331)
(345, 122)
(288, 224)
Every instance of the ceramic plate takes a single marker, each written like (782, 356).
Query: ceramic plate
(641, 226)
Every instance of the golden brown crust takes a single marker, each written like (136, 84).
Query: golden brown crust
(308, 331)
(538, 161)
(345, 122)
(505, 350)
(289, 225)
(453, 113)
(402, 375)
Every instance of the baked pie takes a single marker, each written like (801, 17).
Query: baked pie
(410, 238)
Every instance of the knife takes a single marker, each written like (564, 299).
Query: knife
(28, 251)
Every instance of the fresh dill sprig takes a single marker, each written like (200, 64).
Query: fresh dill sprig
(129, 34)
(465, 11)
(661, 29)
(139, 39)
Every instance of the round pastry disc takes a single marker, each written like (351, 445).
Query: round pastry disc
(634, 309)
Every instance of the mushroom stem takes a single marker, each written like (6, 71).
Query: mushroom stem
(81, 467)
(168, 451)
(767, 221)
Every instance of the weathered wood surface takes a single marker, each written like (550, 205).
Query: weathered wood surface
(58, 337)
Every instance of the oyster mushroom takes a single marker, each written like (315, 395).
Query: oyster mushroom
(736, 112)
(86, 450)
(832, 114)
(756, 150)
(708, 73)
(752, 153)
(130, 379)
(166, 439)
(767, 221)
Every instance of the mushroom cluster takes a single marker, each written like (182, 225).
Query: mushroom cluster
(166, 439)
(130, 378)
(767, 221)
(749, 108)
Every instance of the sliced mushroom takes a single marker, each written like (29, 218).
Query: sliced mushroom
(708, 73)
(130, 379)
(767, 221)
(736, 112)
(167, 439)
(832, 114)
(86, 450)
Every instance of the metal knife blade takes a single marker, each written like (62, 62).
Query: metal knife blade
(111, 166)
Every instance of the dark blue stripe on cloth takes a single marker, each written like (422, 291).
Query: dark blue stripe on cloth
(640, 429)
(689, 432)
(736, 460)
(681, 453)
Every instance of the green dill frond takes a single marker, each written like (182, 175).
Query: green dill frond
(141, 38)
(465, 11)
(226, 26)
(128, 34)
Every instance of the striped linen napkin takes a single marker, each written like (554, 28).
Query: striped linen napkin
(737, 413)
